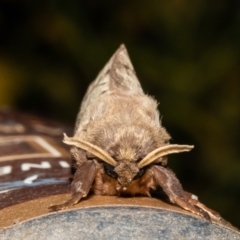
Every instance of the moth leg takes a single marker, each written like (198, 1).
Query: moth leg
(81, 184)
(167, 180)
(193, 199)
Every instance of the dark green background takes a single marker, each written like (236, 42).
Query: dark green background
(186, 54)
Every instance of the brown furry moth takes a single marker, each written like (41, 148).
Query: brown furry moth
(119, 146)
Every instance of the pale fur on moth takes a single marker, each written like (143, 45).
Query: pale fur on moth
(119, 146)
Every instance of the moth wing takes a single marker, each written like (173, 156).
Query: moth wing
(118, 76)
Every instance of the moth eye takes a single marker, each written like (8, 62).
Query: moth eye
(109, 170)
(140, 173)
(139, 159)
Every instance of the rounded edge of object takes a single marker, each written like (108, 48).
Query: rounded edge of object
(118, 222)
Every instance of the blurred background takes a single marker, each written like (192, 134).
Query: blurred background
(185, 53)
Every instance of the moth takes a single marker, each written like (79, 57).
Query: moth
(119, 145)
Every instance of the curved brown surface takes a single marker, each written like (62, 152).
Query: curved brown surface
(39, 207)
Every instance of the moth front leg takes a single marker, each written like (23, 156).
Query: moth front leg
(193, 199)
(81, 184)
(167, 180)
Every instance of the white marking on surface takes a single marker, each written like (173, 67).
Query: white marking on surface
(7, 190)
(5, 170)
(64, 164)
(11, 128)
(49, 130)
(42, 165)
(47, 149)
(26, 156)
(30, 179)
(47, 146)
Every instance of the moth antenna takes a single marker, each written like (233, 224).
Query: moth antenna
(87, 146)
(163, 151)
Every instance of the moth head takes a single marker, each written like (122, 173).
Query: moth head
(126, 170)
(130, 170)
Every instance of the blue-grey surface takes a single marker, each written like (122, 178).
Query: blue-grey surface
(118, 223)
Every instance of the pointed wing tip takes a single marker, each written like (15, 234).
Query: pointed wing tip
(121, 56)
(122, 46)
(122, 49)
